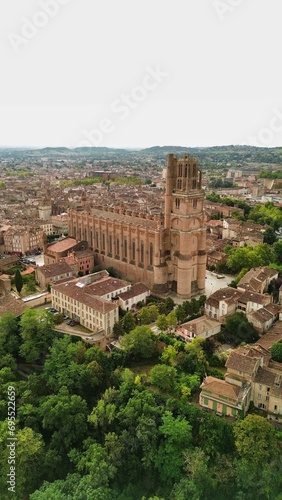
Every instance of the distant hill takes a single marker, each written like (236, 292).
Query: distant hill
(99, 150)
(53, 150)
(209, 157)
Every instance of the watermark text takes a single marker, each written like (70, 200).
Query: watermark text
(11, 440)
(31, 27)
(123, 106)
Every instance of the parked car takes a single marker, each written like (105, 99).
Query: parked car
(72, 322)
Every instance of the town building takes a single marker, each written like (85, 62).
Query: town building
(8, 261)
(222, 303)
(23, 240)
(166, 252)
(75, 251)
(60, 223)
(202, 328)
(251, 377)
(223, 398)
(257, 279)
(46, 275)
(137, 293)
(94, 300)
(88, 300)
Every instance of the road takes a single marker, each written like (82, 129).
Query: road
(213, 283)
(39, 259)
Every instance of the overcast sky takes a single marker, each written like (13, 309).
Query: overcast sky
(137, 74)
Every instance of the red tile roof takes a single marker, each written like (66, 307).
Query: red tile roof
(62, 246)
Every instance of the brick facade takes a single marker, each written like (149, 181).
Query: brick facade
(164, 252)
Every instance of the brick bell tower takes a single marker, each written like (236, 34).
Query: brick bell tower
(184, 219)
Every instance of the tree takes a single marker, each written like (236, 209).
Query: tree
(128, 322)
(163, 376)
(238, 329)
(95, 462)
(104, 413)
(248, 257)
(144, 316)
(72, 365)
(162, 323)
(74, 486)
(169, 304)
(255, 440)
(276, 352)
(169, 354)
(147, 435)
(171, 318)
(162, 307)
(277, 252)
(29, 282)
(140, 342)
(65, 416)
(269, 236)
(29, 454)
(176, 437)
(37, 334)
(192, 382)
(154, 312)
(9, 334)
(180, 314)
(118, 329)
(58, 318)
(198, 481)
(18, 281)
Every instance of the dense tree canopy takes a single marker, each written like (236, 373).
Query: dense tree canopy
(238, 329)
(139, 342)
(123, 425)
(248, 257)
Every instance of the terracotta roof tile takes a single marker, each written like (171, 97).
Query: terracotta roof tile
(8, 303)
(55, 269)
(221, 388)
(62, 246)
(240, 362)
(136, 289)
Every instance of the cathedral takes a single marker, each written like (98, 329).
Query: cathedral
(165, 251)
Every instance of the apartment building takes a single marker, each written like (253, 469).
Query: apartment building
(23, 240)
(267, 390)
(258, 307)
(257, 279)
(89, 300)
(251, 377)
(46, 275)
(222, 303)
(137, 293)
(60, 223)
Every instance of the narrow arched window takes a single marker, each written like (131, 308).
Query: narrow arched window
(142, 252)
(151, 253)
